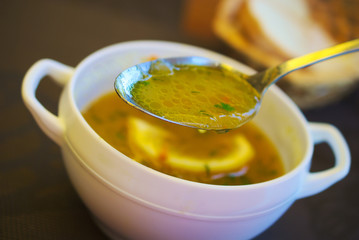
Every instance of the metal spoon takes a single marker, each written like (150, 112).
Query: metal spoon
(125, 82)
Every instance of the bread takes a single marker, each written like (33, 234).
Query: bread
(270, 32)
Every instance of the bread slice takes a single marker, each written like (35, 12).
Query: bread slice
(270, 32)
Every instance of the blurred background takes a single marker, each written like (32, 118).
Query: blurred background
(37, 200)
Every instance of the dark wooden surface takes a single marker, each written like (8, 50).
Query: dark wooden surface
(37, 201)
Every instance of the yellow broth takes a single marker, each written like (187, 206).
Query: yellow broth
(199, 96)
(110, 117)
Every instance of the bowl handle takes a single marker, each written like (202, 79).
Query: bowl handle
(319, 181)
(61, 74)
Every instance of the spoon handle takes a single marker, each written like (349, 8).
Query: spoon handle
(264, 79)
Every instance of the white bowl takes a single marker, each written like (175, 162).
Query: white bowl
(130, 200)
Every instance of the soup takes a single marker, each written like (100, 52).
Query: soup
(241, 156)
(205, 97)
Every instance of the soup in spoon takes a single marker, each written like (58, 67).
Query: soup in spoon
(200, 93)
(204, 97)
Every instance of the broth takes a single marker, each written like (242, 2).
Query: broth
(199, 96)
(241, 156)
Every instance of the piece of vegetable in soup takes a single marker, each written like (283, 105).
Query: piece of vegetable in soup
(241, 156)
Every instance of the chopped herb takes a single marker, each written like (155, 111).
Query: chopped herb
(222, 131)
(145, 162)
(232, 177)
(225, 106)
(195, 92)
(207, 168)
(120, 135)
(208, 115)
(96, 119)
(203, 112)
(213, 153)
(117, 114)
(145, 83)
(245, 180)
(229, 180)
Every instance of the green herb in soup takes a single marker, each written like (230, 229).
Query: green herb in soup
(241, 156)
(199, 96)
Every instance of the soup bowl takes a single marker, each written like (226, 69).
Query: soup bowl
(130, 200)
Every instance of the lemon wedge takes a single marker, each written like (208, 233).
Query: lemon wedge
(152, 141)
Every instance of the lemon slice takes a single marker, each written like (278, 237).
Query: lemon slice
(242, 153)
(151, 140)
(146, 138)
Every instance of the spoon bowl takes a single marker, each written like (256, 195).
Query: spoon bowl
(191, 92)
(228, 117)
